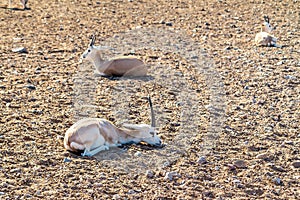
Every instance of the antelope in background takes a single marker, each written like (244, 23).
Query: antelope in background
(93, 135)
(264, 38)
(119, 66)
(23, 2)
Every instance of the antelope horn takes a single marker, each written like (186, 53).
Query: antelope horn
(267, 19)
(152, 112)
(93, 40)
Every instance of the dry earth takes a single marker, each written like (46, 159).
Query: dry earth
(247, 149)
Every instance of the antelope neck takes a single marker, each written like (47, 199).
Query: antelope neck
(98, 61)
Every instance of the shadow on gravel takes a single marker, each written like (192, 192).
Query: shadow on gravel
(15, 9)
(122, 78)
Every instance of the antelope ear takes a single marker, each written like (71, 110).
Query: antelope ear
(129, 126)
(133, 126)
(138, 130)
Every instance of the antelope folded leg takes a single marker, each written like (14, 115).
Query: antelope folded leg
(95, 151)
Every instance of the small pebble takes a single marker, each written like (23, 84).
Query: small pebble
(237, 183)
(178, 74)
(240, 164)
(166, 164)
(2, 193)
(277, 168)
(169, 23)
(278, 191)
(149, 174)
(138, 154)
(16, 170)
(208, 194)
(277, 181)
(59, 137)
(296, 177)
(202, 160)
(289, 142)
(264, 156)
(289, 77)
(170, 175)
(162, 21)
(116, 196)
(31, 87)
(98, 184)
(174, 124)
(280, 63)
(231, 167)
(131, 192)
(27, 196)
(269, 174)
(5, 184)
(296, 164)
(18, 39)
(20, 50)
(67, 160)
(228, 48)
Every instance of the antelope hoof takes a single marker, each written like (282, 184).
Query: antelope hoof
(88, 154)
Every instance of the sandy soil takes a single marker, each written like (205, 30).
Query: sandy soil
(227, 111)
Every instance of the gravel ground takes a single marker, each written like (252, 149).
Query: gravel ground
(227, 111)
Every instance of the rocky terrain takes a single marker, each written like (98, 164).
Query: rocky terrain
(227, 111)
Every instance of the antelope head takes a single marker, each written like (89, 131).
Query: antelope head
(92, 52)
(266, 25)
(146, 133)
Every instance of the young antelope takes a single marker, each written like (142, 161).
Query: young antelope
(23, 2)
(264, 38)
(93, 135)
(120, 66)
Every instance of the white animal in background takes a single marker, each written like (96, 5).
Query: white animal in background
(93, 135)
(264, 38)
(120, 66)
(23, 2)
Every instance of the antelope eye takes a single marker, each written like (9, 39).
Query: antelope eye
(89, 50)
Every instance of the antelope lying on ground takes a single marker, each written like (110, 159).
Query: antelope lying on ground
(93, 135)
(121, 66)
(23, 2)
(264, 38)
